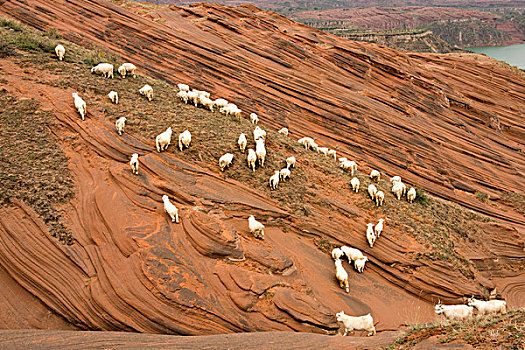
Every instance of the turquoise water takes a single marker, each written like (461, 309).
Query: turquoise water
(513, 54)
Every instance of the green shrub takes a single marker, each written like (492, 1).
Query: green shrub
(482, 196)
(421, 197)
(53, 34)
(96, 56)
(6, 48)
(31, 42)
(12, 24)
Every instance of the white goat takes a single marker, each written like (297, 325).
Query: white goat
(274, 180)
(184, 139)
(380, 197)
(378, 229)
(134, 163)
(260, 151)
(285, 174)
(308, 143)
(202, 93)
(358, 323)
(147, 91)
(375, 175)
(220, 103)
(454, 312)
(60, 52)
(254, 118)
(231, 109)
(251, 159)
(206, 102)
(488, 307)
(290, 162)
(183, 87)
(283, 131)
(352, 253)
(163, 140)
(370, 235)
(172, 210)
(332, 153)
(228, 108)
(259, 133)
(183, 95)
(120, 124)
(395, 179)
(225, 161)
(193, 97)
(256, 228)
(323, 150)
(355, 184)
(242, 142)
(347, 165)
(113, 96)
(127, 68)
(337, 253)
(372, 190)
(399, 189)
(359, 264)
(106, 69)
(341, 275)
(80, 105)
(411, 195)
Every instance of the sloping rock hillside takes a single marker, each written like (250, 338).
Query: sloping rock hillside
(451, 125)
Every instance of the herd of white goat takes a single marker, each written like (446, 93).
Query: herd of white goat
(256, 158)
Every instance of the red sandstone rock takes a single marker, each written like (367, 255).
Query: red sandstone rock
(447, 123)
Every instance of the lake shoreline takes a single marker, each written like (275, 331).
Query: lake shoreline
(511, 54)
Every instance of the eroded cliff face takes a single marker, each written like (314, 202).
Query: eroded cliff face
(449, 124)
(458, 27)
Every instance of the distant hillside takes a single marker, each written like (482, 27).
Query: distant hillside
(455, 26)
(406, 40)
(449, 25)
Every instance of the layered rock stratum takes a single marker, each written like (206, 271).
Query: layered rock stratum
(449, 124)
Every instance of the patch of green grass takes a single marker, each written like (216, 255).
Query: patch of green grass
(33, 168)
(433, 222)
(12, 24)
(96, 56)
(421, 197)
(482, 196)
(505, 331)
(515, 200)
(324, 245)
(13, 35)
(53, 34)
(6, 48)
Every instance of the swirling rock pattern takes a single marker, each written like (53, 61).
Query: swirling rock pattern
(432, 119)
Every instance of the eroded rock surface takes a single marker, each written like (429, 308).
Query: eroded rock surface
(451, 124)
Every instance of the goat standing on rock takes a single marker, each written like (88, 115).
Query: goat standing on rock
(134, 163)
(488, 307)
(80, 105)
(342, 275)
(256, 228)
(370, 235)
(358, 323)
(454, 312)
(172, 210)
